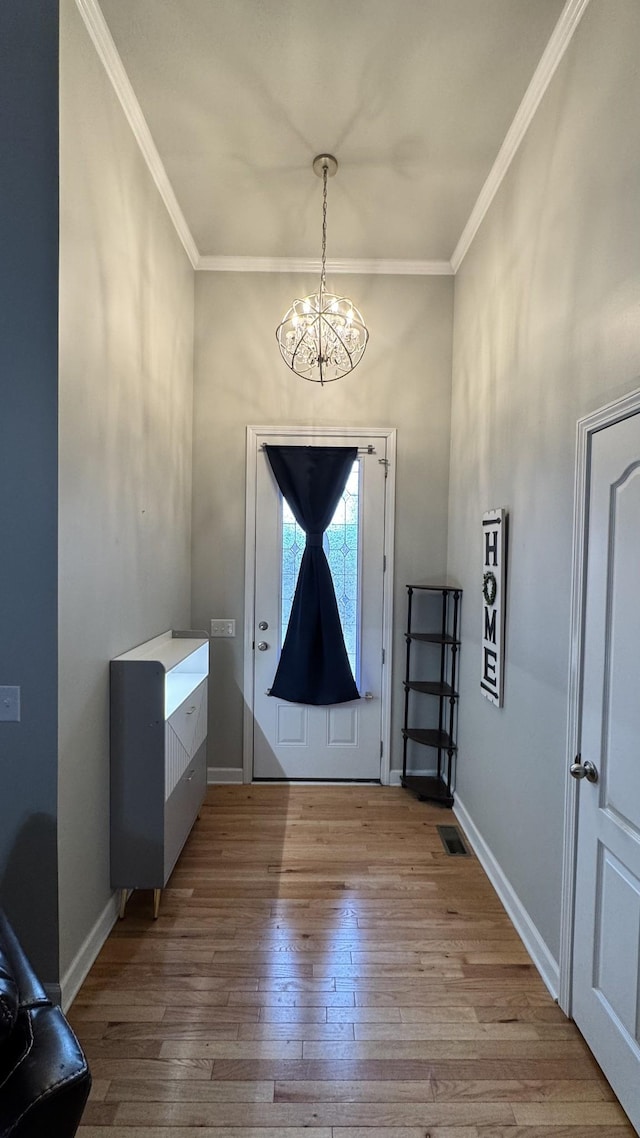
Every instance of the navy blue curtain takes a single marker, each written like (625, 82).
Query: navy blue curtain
(314, 666)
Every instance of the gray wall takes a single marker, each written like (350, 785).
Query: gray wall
(126, 374)
(546, 329)
(28, 464)
(240, 378)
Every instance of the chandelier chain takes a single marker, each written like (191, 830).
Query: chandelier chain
(322, 337)
(323, 275)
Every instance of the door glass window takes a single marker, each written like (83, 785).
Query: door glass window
(342, 548)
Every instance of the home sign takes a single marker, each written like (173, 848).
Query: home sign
(493, 606)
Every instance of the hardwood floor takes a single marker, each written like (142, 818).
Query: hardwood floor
(321, 967)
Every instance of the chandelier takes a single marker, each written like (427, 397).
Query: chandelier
(322, 337)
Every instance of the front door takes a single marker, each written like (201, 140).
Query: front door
(340, 742)
(606, 965)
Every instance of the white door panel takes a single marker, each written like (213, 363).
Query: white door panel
(307, 742)
(606, 971)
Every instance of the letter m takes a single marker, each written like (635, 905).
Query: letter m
(490, 625)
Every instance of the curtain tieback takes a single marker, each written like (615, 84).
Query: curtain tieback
(314, 540)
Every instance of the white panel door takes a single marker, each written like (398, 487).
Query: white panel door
(297, 741)
(606, 970)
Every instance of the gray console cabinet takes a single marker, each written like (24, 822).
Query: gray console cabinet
(158, 757)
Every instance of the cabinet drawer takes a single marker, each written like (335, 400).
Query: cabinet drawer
(185, 732)
(181, 808)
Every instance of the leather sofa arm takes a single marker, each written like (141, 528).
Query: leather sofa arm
(44, 1076)
(30, 992)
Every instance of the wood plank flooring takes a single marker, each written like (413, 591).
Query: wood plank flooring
(321, 967)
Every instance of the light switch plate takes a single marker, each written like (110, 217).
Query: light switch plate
(223, 626)
(9, 704)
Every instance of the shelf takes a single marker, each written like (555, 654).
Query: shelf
(178, 687)
(436, 586)
(437, 670)
(428, 788)
(172, 652)
(183, 658)
(430, 738)
(432, 637)
(432, 687)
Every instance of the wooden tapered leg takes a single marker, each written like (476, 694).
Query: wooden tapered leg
(124, 893)
(157, 893)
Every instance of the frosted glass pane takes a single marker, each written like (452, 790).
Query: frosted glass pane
(341, 546)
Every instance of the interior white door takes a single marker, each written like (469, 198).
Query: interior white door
(606, 965)
(340, 742)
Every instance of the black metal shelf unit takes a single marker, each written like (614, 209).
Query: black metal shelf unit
(441, 605)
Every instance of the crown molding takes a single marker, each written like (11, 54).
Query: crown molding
(558, 43)
(108, 53)
(310, 265)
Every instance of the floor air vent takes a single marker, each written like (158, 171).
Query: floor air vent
(452, 841)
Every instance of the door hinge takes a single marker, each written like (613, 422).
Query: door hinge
(381, 748)
(383, 655)
(384, 562)
(384, 462)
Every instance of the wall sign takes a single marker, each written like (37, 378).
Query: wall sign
(493, 604)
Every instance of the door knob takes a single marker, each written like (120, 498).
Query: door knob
(262, 646)
(583, 770)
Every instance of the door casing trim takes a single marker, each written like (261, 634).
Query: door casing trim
(255, 437)
(586, 428)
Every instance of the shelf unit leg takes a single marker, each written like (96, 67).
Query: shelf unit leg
(157, 894)
(449, 771)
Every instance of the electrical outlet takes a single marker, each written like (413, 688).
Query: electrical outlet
(222, 626)
(10, 704)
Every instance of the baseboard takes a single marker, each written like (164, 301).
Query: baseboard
(546, 964)
(83, 960)
(217, 775)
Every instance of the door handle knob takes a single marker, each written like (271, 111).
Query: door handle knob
(262, 646)
(583, 770)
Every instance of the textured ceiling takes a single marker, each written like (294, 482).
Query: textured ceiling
(414, 98)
